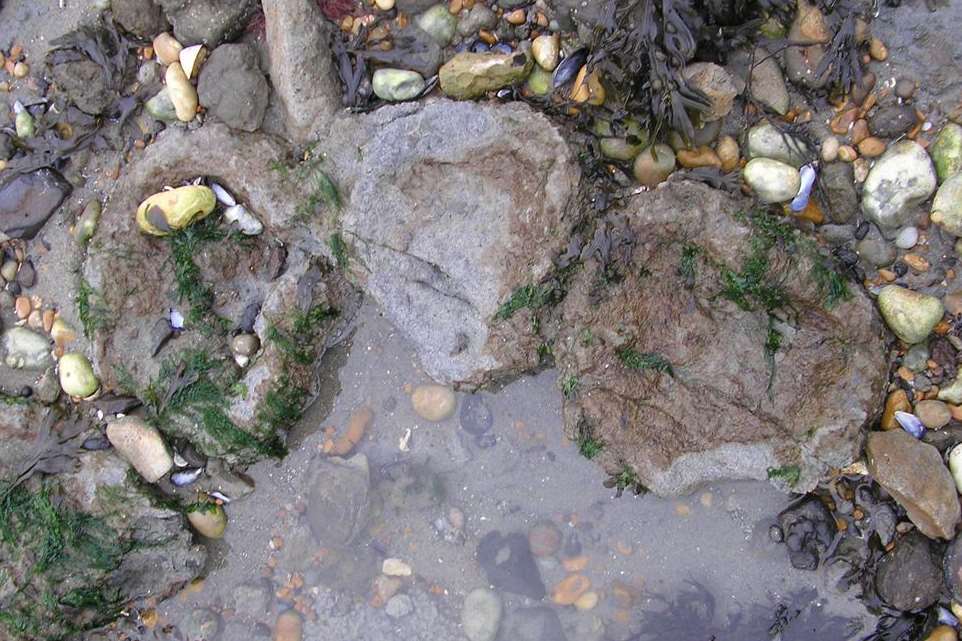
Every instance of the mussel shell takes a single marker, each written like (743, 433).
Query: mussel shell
(569, 68)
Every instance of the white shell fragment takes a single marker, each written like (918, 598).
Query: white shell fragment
(191, 58)
(243, 220)
(223, 196)
(176, 319)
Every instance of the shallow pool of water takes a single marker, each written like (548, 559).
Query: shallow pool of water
(699, 567)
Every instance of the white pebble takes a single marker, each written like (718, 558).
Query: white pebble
(907, 238)
(396, 567)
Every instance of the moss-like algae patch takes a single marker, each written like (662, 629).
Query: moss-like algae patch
(54, 566)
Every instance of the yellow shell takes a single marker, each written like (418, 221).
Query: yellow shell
(166, 212)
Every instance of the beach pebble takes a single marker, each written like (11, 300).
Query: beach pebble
(771, 181)
(481, 615)
(433, 402)
(77, 376)
(910, 315)
(141, 445)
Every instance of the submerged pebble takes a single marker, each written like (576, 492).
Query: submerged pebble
(476, 417)
(433, 402)
(481, 615)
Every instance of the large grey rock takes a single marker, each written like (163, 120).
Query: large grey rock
(898, 181)
(140, 17)
(301, 67)
(208, 22)
(913, 473)
(797, 419)
(276, 270)
(458, 206)
(232, 87)
(910, 576)
(28, 200)
(337, 500)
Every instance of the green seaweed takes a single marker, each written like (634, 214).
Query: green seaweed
(831, 286)
(569, 387)
(773, 341)
(790, 474)
(588, 445)
(191, 288)
(91, 309)
(338, 250)
(528, 296)
(688, 265)
(65, 549)
(644, 361)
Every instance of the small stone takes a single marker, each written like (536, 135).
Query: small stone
(209, 519)
(25, 349)
(481, 615)
(167, 48)
(934, 414)
(21, 69)
(399, 606)
(27, 276)
(907, 238)
(161, 107)
(700, 157)
(570, 589)
(947, 206)
(955, 466)
(397, 85)
(433, 402)
(182, 94)
(232, 86)
(245, 344)
(829, 151)
(916, 262)
(202, 625)
(288, 627)
(871, 147)
(22, 307)
(396, 567)
(654, 165)
(714, 82)
(905, 88)
(539, 82)
(383, 588)
(910, 315)
(897, 401)
(891, 121)
(384, 5)
(587, 601)
(942, 633)
(766, 141)
(771, 181)
(62, 333)
(727, 150)
(544, 539)
(947, 151)
(859, 131)
(546, 50)
(471, 75)
(953, 303)
(9, 270)
(917, 357)
(952, 393)
(168, 211)
(901, 179)
(913, 473)
(141, 445)
(77, 376)
(438, 23)
(910, 576)
(477, 18)
(86, 225)
(847, 153)
(877, 49)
